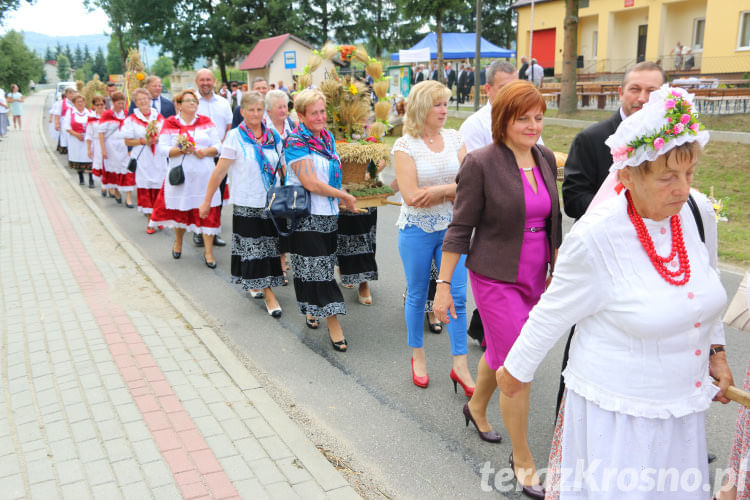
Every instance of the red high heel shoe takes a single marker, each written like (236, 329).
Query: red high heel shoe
(468, 391)
(419, 381)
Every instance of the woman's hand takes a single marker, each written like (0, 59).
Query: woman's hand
(349, 202)
(151, 140)
(719, 370)
(443, 303)
(204, 209)
(199, 153)
(104, 154)
(88, 151)
(507, 383)
(428, 196)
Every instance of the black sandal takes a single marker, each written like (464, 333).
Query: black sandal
(312, 323)
(340, 346)
(434, 327)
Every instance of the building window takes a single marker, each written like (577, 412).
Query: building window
(698, 27)
(594, 44)
(744, 38)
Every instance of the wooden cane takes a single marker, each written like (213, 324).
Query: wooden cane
(737, 395)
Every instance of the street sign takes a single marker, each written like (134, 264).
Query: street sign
(290, 59)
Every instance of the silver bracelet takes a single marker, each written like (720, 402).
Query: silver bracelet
(443, 281)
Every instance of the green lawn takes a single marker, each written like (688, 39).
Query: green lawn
(725, 166)
(735, 123)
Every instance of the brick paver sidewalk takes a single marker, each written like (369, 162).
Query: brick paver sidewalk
(112, 385)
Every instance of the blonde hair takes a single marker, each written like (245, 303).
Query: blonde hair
(249, 98)
(422, 97)
(181, 95)
(306, 98)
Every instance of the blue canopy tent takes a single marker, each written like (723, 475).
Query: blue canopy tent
(459, 46)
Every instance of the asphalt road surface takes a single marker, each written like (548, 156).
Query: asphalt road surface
(393, 439)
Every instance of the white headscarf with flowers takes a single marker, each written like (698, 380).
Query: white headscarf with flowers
(666, 121)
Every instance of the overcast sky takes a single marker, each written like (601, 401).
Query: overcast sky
(57, 18)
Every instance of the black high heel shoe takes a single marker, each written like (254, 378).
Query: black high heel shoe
(534, 491)
(434, 327)
(489, 436)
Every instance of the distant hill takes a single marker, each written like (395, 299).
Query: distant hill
(39, 42)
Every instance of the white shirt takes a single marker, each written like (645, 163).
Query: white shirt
(156, 104)
(319, 205)
(217, 108)
(433, 169)
(476, 130)
(535, 73)
(3, 102)
(246, 185)
(152, 166)
(641, 345)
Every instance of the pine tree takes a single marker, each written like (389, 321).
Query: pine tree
(100, 65)
(77, 57)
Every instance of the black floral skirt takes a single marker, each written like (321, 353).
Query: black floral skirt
(255, 250)
(356, 247)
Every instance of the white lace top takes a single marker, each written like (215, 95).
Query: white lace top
(433, 169)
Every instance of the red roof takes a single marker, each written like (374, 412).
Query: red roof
(264, 50)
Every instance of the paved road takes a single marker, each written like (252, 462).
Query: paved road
(396, 440)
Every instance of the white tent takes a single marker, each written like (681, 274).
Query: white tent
(415, 55)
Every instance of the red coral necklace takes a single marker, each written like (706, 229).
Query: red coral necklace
(678, 247)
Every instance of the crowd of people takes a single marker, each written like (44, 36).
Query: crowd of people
(635, 282)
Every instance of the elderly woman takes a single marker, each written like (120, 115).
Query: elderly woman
(507, 198)
(152, 166)
(277, 113)
(645, 294)
(254, 153)
(189, 140)
(74, 124)
(426, 161)
(115, 175)
(93, 146)
(311, 156)
(59, 111)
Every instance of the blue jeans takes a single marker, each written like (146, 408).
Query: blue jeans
(417, 249)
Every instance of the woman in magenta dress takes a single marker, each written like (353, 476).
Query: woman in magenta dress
(507, 197)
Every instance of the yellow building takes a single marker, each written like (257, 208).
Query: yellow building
(615, 34)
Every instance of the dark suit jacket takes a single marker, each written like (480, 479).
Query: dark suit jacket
(434, 75)
(490, 202)
(167, 108)
(462, 81)
(420, 76)
(587, 165)
(522, 72)
(451, 78)
(236, 117)
(469, 81)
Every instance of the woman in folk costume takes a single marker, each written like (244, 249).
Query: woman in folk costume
(75, 123)
(93, 145)
(115, 175)
(639, 279)
(59, 112)
(254, 155)
(191, 141)
(152, 166)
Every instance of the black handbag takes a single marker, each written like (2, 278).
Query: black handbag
(177, 174)
(292, 202)
(133, 163)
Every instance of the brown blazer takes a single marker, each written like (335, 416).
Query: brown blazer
(490, 202)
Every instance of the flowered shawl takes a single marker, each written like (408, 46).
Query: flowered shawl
(301, 142)
(268, 140)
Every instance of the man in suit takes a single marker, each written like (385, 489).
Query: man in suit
(259, 85)
(461, 87)
(450, 76)
(434, 72)
(589, 159)
(524, 66)
(160, 103)
(419, 77)
(469, 81)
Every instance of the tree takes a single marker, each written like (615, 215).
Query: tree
(84, 73)
(325, 20)
(87, 55)
(497, 21)
(115, 62)
(163, 67)
(77, 57)
(63, 67)
(9, 5)
(58, 50)
(49, 55)
(384, 24)
(568, 96)
(18, 64)
(100, 64)
(435, 9)
(68, 54)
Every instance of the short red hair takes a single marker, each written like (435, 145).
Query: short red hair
(513, 100)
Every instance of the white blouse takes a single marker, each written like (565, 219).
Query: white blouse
(152, 166)
(246, 185)
(641, 345)
(319, 205)
(433, 169)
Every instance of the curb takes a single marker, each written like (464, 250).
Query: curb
(322, 471)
